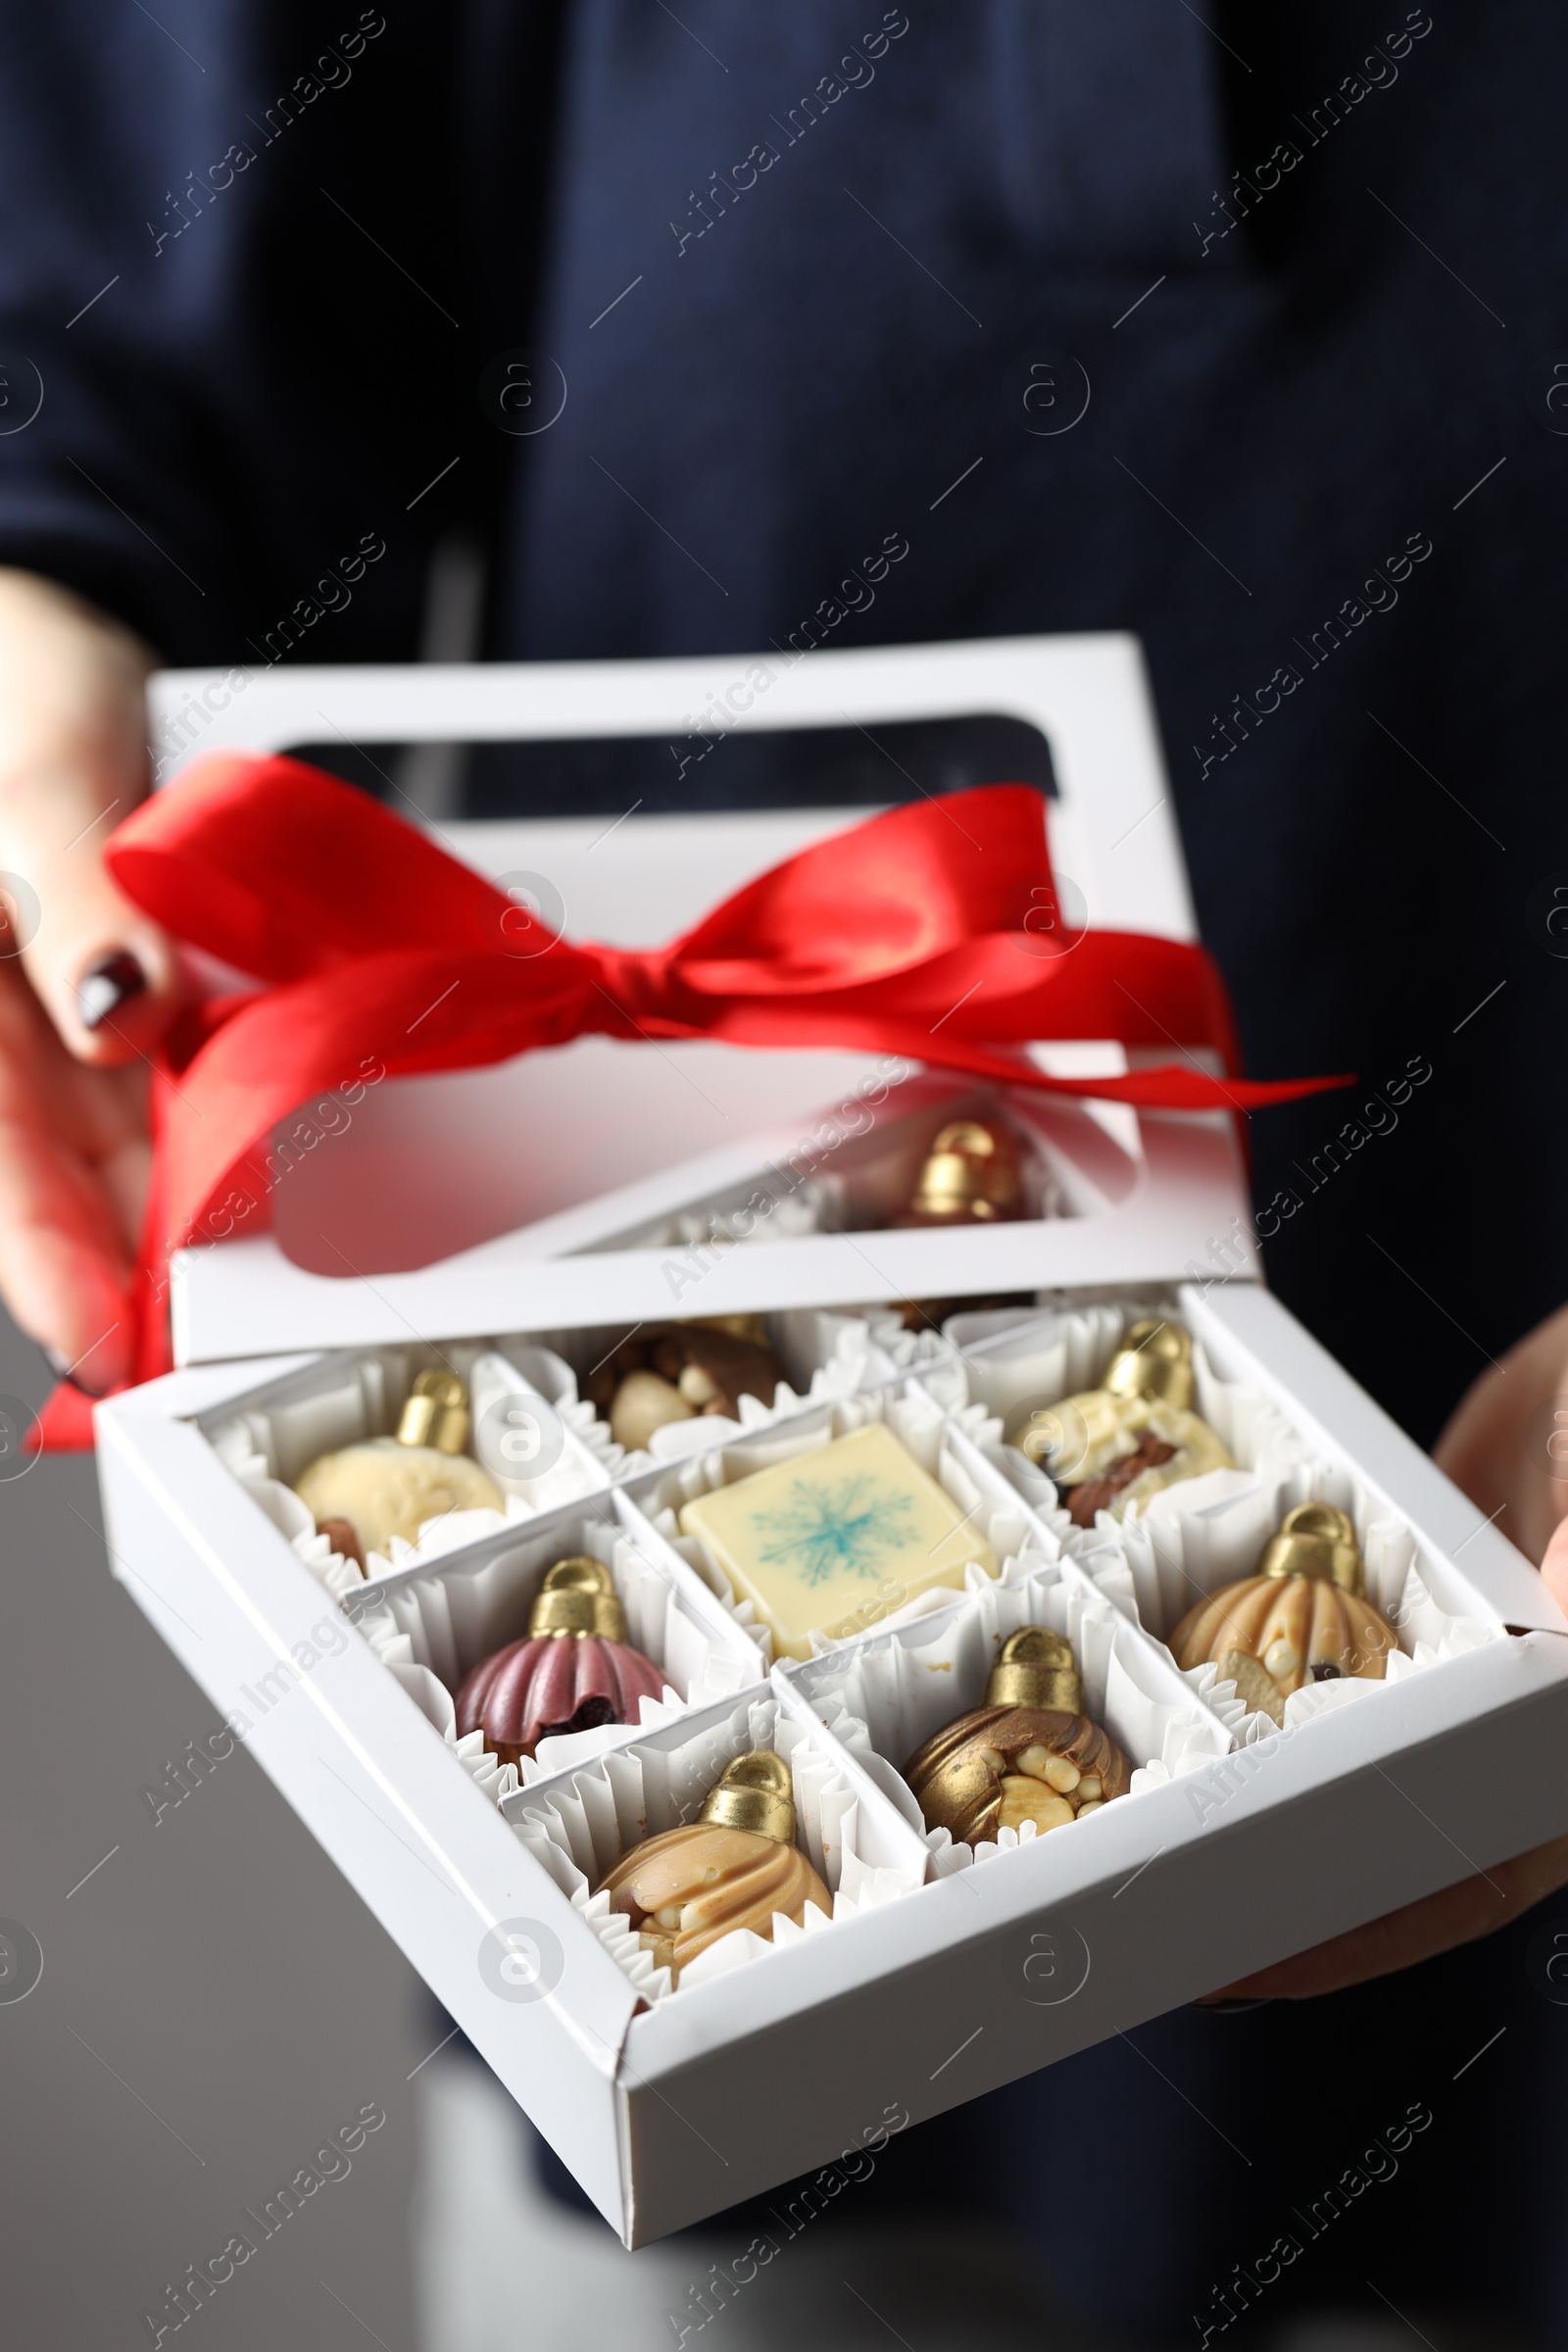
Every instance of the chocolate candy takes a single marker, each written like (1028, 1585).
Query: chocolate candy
(642, 1403)
(571, 1672)
(674, 1371)
(344, 1540)
(1028, 1753)
(387, 1486)
(1302, 1617)
(971, 1177)
(1116, 1444)
(1101, 1493)
(734, 1867)
(832, 1539)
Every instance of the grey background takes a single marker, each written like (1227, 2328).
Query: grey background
(217, 1963)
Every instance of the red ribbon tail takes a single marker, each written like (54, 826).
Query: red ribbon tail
(64, 1426)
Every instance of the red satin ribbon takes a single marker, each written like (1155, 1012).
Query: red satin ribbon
(930, 931)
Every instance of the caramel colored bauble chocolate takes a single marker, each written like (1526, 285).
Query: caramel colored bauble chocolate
(1029, 1753)
(572, 1671)
(734, 1867)
(1116, 1444)
(387, 1486)
(1302, 1618)
(674, 1371)
(971, 1177)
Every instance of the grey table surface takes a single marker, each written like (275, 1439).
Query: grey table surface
(214, 2000)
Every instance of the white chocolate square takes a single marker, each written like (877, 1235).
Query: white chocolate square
(834, 1540)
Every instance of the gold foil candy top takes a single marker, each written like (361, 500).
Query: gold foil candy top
(1155, 1359)
(972, 1170)
(436, 1414)
(578, 1596)
(754, 1793)
(1035, 1669)
(1315, 1540)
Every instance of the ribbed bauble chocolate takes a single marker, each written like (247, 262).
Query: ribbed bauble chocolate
(571, 1672)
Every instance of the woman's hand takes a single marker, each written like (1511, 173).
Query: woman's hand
(1508, 1447)
(88, 983)
(1508, 1450)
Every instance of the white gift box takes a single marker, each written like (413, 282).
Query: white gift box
(613, 1149)
(941, 1971)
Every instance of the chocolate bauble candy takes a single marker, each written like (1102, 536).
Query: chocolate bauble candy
(673, 1371)
(572, 1671)
(971, 1177)
(1019, 1757)
(385, 1488)
(998, 1767)
(1110, 1447)
(1302, 1618)
(734, 1867)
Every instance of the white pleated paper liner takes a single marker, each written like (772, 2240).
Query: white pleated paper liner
(578, 1824)
(1189, 1539)
(825, 1354)
(982, 1496)
(267, 1441)
(431, 1627)
(899, 1687)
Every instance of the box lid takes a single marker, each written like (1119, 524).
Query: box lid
(532, 1195)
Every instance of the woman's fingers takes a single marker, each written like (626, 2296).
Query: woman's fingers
(86, 982)
(1507, 1442)
(73, 763)
(74, 1165)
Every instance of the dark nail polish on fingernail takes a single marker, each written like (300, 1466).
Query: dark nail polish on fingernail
(107, 985)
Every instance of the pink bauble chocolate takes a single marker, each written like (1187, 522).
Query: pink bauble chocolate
(551, 1683)
(572, 1671)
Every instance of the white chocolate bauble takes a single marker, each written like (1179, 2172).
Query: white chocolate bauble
(384, 1488)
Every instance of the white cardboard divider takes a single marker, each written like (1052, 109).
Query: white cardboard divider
(450, 1613)
(673, 2112)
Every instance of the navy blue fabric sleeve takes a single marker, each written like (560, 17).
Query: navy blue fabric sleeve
(241, 310)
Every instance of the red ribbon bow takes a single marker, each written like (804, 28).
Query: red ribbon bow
(932, 931)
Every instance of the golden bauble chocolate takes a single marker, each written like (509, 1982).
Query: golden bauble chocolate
(1111, 1446)
(971, 1177)
(1301, 1618)
(1028, 1754)
(387, 1486)
(734, 1867)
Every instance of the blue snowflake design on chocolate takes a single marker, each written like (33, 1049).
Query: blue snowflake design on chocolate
(843, 1530)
